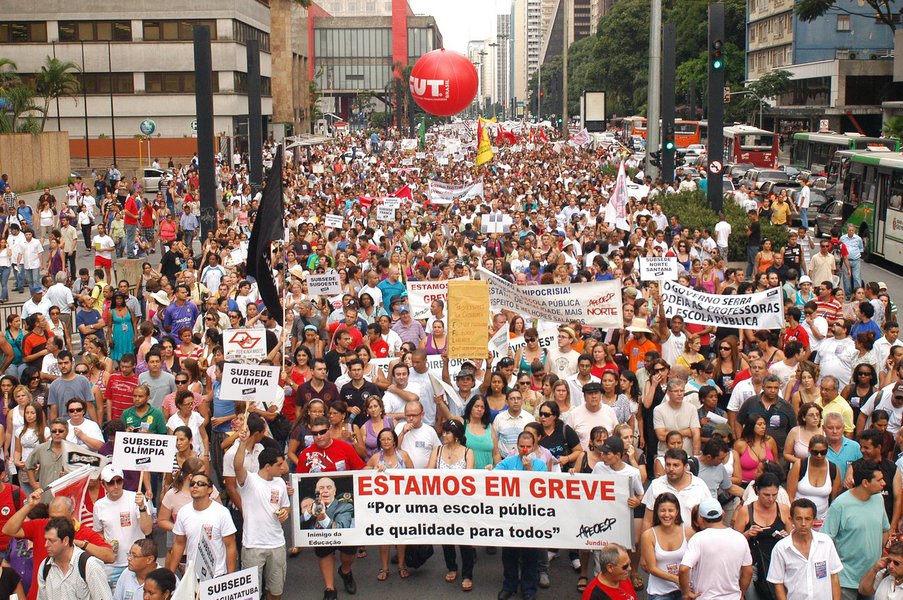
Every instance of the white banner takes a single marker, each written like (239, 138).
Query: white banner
(483, 508)
(446, 193)
(548, 338)
(241, 585)
(498, 344)
(596, 304)
(144, 452)
(762, 310)
(385, 213)
(245, 345)
(334, 221)
(422, 293)
(238, 256)
(328, 284)
(249, 383)
(391, 202)
(659, 268)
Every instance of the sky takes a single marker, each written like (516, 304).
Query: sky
(463, 20)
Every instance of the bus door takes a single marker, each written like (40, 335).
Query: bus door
(879, 215)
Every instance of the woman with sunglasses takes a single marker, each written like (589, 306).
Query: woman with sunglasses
(531, 352)
(653, 395)
(727, 363)
(862, 386)
(34, 432)
(83, 431)
(59, 329)
(39, 390)
(531, 397)
(815, 478)
(809, 419)
(558, 438)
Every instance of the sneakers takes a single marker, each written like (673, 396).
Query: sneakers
(544, 580)
(553, 554)
(330, 595)
(348, 580)
(575, 563)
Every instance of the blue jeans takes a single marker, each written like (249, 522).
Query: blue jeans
(853, 278)
(188, 237)
(4, 281)
(20, 278)
(675, 595)
(34, 279)
(521, 569)
(751, 252)
(130, 240)
(804, 217)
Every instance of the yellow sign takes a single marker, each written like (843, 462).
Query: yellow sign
(484, 145)
(468, 319)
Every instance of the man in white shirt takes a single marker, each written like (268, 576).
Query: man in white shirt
(32, 254)
(400, 392)
(419, 377)
(38, 303)
(885, 342)
(805, 564)
(204, 517)
(15, 240)
(415, 439)
(591, 414)
(677, 415)
(836, 354)
(671, 334)
(581, 378)
(678, 480)
(103, 251)
(60, 295)
(718, 563)
(562, 360)
(122, 517)
(509, 424)
(265, 507)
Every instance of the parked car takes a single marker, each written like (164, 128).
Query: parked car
(737, 171)
(153, 178)
(754, 178)
(693, 151)
(829, 215)
(817, 199)
(775, 187)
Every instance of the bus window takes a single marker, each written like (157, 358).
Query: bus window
(756, 142)
(896, 192)
(799, 153)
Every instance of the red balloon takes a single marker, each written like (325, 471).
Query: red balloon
(443, 82)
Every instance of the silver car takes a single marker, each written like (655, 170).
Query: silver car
(153, 178)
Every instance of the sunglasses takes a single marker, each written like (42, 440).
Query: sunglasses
(81, 372)
(545, 414)
(530, 339)
(818, 452)
(58, 431)
(662, 370)
(723, 348)
(198, 484)
(319, 432)
(181, 381)
(116, 481)
(74, 411)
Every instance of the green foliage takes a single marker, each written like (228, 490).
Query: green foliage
(693, 211)
(21, 110)
(810, 10)
(893, 128)
(55, 80)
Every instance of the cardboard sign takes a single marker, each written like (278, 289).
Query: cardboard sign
(241, 585)
(153, 452)
(468, 317)
(334, 221)
(204, 560)
(659, 268)
(245, 345)
(249, 383)
(385, 213)
(327, 284)
(239, 256)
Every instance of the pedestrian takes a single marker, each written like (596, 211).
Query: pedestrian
(68, 572)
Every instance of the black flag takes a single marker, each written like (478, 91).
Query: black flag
(268, 227)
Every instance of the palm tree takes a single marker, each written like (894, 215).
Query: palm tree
(55, 80)
(8, 75)
(19, 108)
(893, 128)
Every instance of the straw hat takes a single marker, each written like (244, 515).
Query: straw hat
(639, 324)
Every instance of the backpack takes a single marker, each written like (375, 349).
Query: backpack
(82, 568)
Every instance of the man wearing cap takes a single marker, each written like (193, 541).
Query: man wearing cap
(37, 303)
(562, 360)
(122, 517)
(717, 563)
(408, 329)
(592, 413)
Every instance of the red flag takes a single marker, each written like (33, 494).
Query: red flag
(365, 201)
(74, 486)
(505, 136)
(542, 136)
(404, 192)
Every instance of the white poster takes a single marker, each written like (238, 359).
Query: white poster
(328, 284)
(238, 256)
(385, 213)
(548, 338)
(595, 304)
(446, 193)
(204, 560)
(245, 345)
(422, 293)
(153, 452)
(249, 383)
(241, 585)
(498, 344)
(483, 508)
(334, 221)
(658, 268)
(391, 202)
(762, 310)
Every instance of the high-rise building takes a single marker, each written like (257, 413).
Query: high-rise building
(503, 60)
(578, 21)
(527, 35)
(482, 55)
(597, 10)
(357, 8)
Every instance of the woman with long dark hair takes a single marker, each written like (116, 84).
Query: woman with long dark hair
(662, 547)
(480, 438)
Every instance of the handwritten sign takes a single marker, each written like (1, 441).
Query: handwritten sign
(334, 221)
(468, 315)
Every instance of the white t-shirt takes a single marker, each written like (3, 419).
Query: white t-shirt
(629, 471)
(88, 428)
(260, 500)
(673, 347)
(251, 464)
(104, 246)
(118, 522)
(582, 420)
(690, 496)
(195, 422)
(215, 522)
(882, 399)
(393, 403)
(418, 443)
(716, 556)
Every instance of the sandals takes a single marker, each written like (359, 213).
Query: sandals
(294, 551)
(362, 552)
(382, 575)
(403, 573)
(451, 576)
(466, 585)
(582, 582)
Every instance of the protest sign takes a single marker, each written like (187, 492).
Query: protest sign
(548, 338)
(385, 213)
(318, 169)
(468, 316)
(241, 585)
(498, 344)
(595, 304)
(249, 383)
(486, 508)
(153, 452)
(238, 256)
(446, 193)
(76, 457)
(334, 221)
(762, 310)
(422, 293)
(391, 202)
(659, 268)
(328, 284)
(245, 345)
(204, 560)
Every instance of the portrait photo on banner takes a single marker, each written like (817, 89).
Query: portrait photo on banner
(329, 494)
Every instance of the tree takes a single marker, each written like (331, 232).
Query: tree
(882, 10)
(770, 85)
(18, 110)
(55, 80)
(893, 128)
(8, 75)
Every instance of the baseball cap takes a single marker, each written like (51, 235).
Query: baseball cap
(722, 429)
(592, 386)
(506, 362)
(404, 309)
(882, 285)
(710, 509)
(110, 473)
(464, 373)
(613, 444)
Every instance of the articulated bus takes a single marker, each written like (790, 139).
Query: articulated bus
(746, 144)
(815, 151)
(872, 201)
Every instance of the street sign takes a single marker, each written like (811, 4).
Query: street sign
(193, 124)
(147, 127)
(824, 125)
(715, 167)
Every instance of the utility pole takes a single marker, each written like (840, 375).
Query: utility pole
(655, 79)
(565, 4)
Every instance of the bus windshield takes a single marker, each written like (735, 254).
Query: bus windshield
(756, 142)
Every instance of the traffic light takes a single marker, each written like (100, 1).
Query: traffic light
(717, 53)
(656, 158)
(669, 140)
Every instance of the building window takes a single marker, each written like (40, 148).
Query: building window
(240, 80)
(17, 33)
(843, 22)
(101, 83)
(175, 31)
(244, 32)
(95, 31)
(173, 83)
